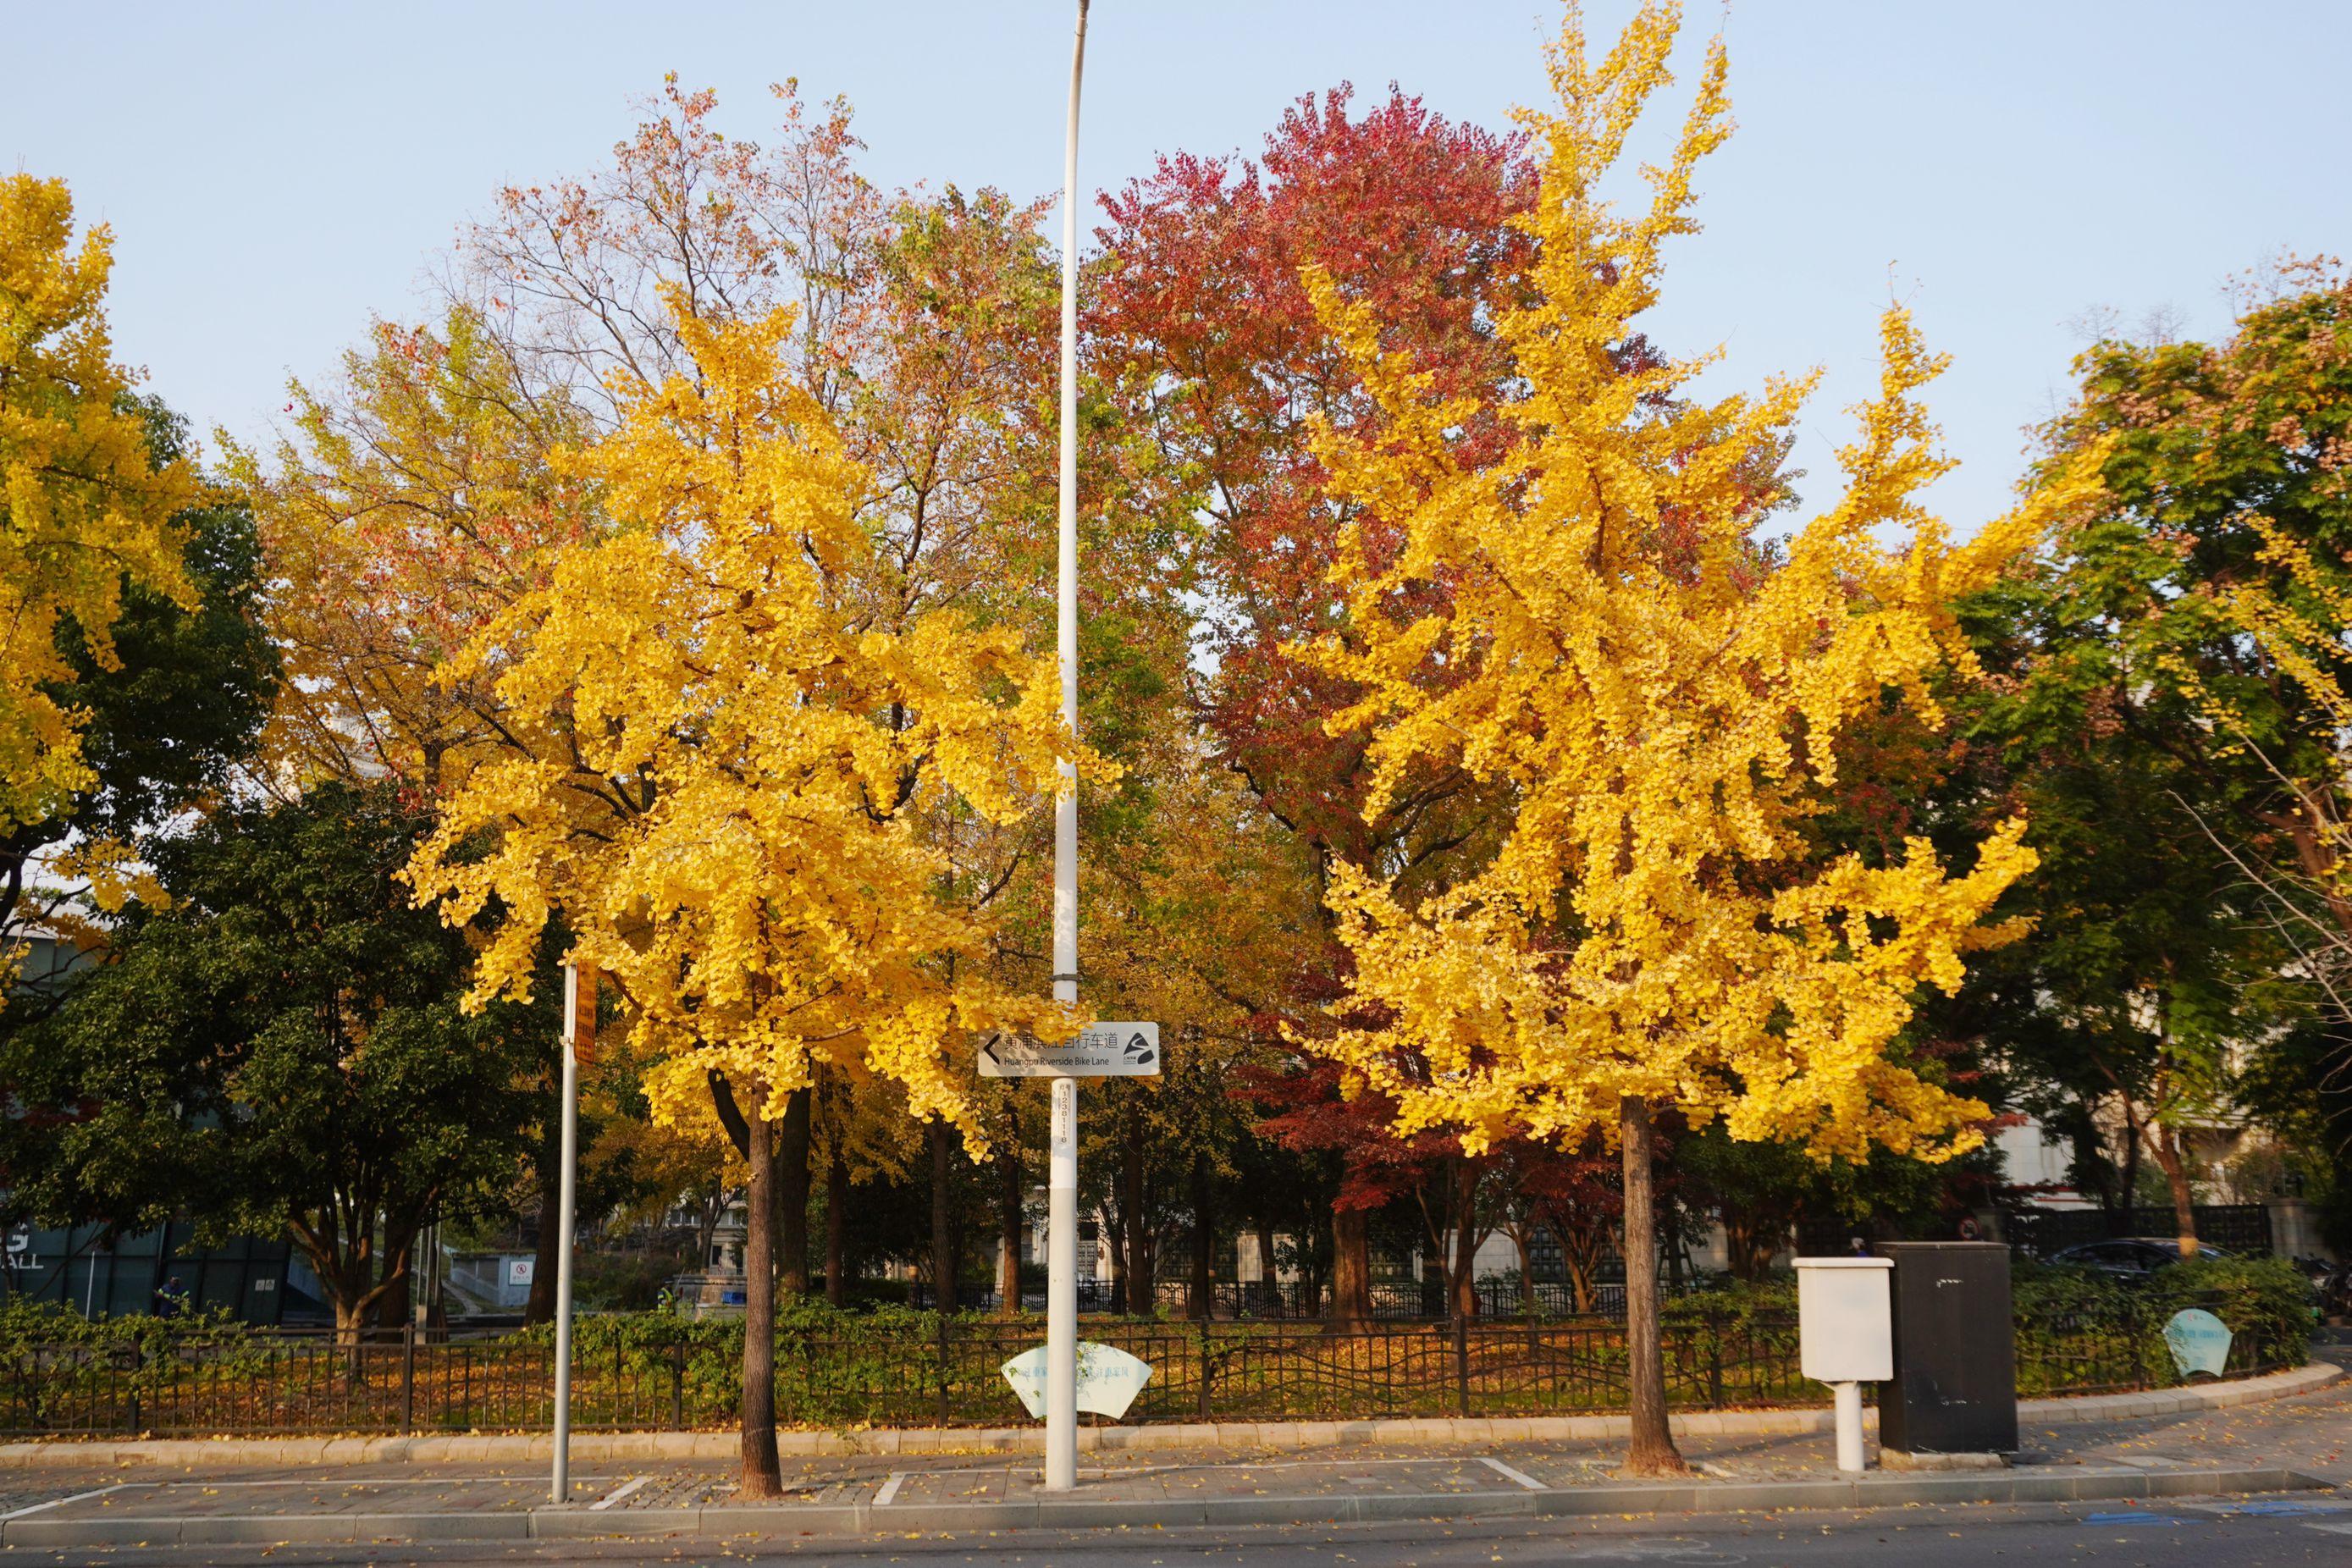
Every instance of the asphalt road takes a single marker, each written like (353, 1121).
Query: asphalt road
(2260, 1534)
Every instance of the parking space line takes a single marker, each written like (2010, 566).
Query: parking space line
(889, 1489)
(617, 1493)
(61, 1502)
(1507, 1473)
(347, 1482)
(1237, 1465)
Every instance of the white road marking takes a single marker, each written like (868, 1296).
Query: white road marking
(1508, 1474)
(61, 1502)
(889, 1489)
(2331, 1529)
(617, 1493)
(1220, 1465)
(348, 1483)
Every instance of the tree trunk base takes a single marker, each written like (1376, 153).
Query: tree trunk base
(1646, 1462)
(762, 1474)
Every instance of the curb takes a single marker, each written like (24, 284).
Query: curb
(621, 1447)
(580, 1523)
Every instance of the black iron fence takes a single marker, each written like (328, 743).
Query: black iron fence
(1291, 1299)
(670, 1374)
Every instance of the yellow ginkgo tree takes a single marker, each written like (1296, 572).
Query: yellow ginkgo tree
(713, 770)
(83, 508)
(1592, 624)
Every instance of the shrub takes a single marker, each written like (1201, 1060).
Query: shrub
(2267, 1297)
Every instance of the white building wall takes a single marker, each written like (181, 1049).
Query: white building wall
(2033, 1157)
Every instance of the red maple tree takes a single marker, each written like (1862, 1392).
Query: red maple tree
(1202, 292)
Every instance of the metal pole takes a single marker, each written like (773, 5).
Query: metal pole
(560, 1486)
(1848, 1426)
(1062, 1185)
(1062, 1293)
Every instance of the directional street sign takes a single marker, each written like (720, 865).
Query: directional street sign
(1100, 1050)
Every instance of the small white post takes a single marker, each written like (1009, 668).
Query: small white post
(560, 1485)
(1848, 1426)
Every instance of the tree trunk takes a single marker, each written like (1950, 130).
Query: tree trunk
(1113, 1233)
(837, 1206)
(540, 1306)
(1204, 1240)
(943, 1247)
(350, 1301)
(2175, 1166)
(705, 1228)
(345, 1264)
(1675, 1280)
(1651, 1450)
(2119, 1218)
(1462, 1267)
(1008, 1225)
(1136, 1268)
(1580, 1257)
(793, 1192)
(762, 1475)
(1750, 1241)
(391, 1307)
(1351, 1270)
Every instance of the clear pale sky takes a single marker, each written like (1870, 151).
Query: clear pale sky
(275, 174)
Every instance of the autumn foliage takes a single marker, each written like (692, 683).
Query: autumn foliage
(1498, 781)
(83, 509)
(716, 750)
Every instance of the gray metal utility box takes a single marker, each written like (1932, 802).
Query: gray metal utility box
(1955, 1386)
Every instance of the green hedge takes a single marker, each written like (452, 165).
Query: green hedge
(2080, 1331)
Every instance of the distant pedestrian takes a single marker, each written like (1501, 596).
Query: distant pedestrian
(170, 1298)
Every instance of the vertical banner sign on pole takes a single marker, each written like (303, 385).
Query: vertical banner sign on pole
(1061, 1190)
(579, 1045)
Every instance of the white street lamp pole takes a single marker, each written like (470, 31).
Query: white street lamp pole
(559, 1484)
(579, 1042)
(1062, 1183)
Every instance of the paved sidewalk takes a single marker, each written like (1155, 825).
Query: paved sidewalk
(2297, 1442)
(720, 1446)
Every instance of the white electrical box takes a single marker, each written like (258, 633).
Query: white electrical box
(1845, 1327)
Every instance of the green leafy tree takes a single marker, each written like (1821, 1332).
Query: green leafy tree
(175, 704)
(278, 1048)
(2184, 778)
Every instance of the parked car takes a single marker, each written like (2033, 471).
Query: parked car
(2132, 1257)
(2331, 1282)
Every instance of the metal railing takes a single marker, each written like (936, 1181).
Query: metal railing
(946, 1373)
(1292, 1301)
